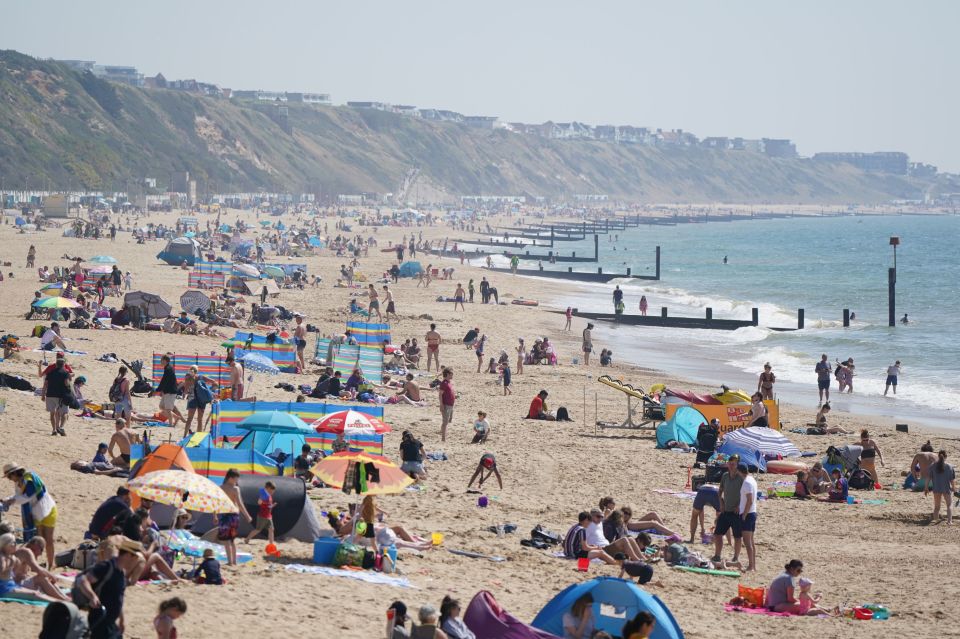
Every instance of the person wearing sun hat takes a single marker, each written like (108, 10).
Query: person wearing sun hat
(38, 510)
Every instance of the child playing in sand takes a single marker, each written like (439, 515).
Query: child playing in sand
(170, 610)
(810, 603)
(208, 572)
(265, 506)
(481, 428)
(486, 468)
(507, 376)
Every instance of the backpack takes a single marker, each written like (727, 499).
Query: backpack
(80, 599)
(202, 392)
(547, 536)
(116, 390)
(860, 479)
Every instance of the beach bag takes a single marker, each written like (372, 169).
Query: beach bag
(70, 400)
(84, 556)
(202, 393)
(63, 620)
(79, 598)
(38, 330)
(348, 555)
(753, 596)
(860, 479)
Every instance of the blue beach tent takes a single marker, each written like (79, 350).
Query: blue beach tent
(615, 601)
(410, 269)
(682, 427)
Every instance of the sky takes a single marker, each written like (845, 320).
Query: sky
(857, 75)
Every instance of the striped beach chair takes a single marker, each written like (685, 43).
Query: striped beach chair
(367, 333)
(369, 359)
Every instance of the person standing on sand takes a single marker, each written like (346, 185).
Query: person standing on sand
(766, 382)
(941, 478)
(391, 307)
(748, 513)
(458, 298)
(31, 256)
(227, 523)
(587, 346)
(374, 302)
(643, 305)
(521, 355)
(300, 339)
(236, 378)
(470, 290)
(433, 346)
(569, 316)
(447, 399)
(893, 372)
(822, 369)
(167, 388)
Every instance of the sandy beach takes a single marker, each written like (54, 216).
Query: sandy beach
(872, 553)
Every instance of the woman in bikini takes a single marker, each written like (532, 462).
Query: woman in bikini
(870, 451)
(766, 381)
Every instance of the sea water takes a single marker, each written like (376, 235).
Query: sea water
(820, 264)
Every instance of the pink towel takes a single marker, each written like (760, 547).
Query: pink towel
(756, 611)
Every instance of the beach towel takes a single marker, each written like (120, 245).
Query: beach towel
(756, 611)
(41, 604)
(360, 575)
(476, 555)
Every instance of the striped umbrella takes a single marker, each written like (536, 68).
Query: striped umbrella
(756, 443)
(332, 468)
(55, 302)
(194, 302)
(183, 489)
(102, 259)
(351, 422)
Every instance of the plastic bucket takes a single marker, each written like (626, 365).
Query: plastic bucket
(324, 550)
(437, 538)
(482, 501)
(583, 564)
(862, 613)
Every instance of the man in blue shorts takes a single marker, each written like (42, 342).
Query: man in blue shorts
(823, 371)
(730, 484)
(707, 495)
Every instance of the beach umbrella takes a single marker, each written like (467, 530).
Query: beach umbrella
(275, 421)
(265, 223)
(246, 269)
(19, 221)
(315, 241)
(53, 289)
(102, 269)
(182, 489)
(194, 302)
(332, 468)
(351, 422)
(55, 302)
(152, 305)
(258, 363)
(274, 271)
(102, 259)
(189, 234)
